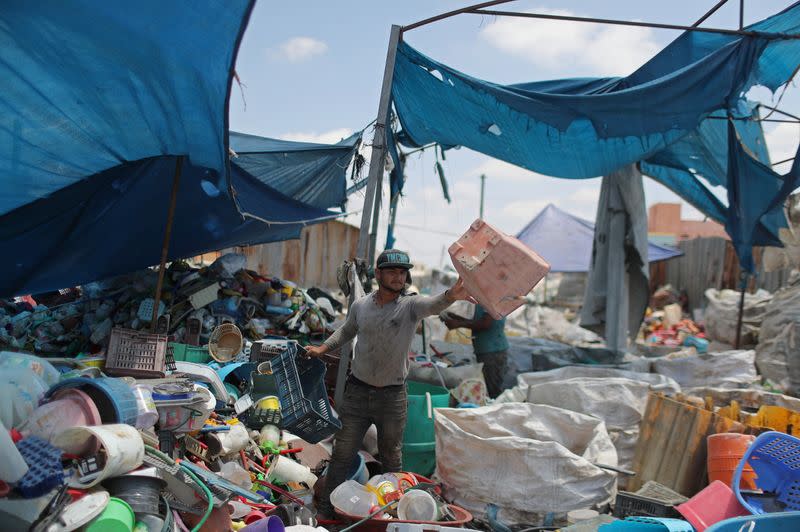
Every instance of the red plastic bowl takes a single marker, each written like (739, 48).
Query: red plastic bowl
(379, 525)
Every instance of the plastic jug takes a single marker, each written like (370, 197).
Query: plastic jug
(147, 414)
(497, 269)
(352, 498)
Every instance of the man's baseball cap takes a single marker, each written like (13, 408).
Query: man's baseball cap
(393, 258)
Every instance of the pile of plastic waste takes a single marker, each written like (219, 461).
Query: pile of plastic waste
(194, 301)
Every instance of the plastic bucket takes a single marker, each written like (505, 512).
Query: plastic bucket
(69, 408)
(419, 439)
(122, 445)
(725, 450)
(268, 524)
(117, 517)
(113, 397)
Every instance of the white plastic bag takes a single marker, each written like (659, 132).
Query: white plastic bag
(527, 459)
(726, 369)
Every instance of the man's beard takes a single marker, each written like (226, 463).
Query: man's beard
(388, 288)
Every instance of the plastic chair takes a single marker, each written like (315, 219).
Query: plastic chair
(775, 458)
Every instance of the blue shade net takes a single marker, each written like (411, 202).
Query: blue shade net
(99, 101)
(670, 117)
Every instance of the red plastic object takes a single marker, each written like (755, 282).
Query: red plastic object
(715, 503)
(497, 269)
(462, 517)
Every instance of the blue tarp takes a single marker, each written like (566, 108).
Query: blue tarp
(565, 241)
(580, 128)
(311, 173)
(97, 102)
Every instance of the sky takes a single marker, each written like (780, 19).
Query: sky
(311, 70)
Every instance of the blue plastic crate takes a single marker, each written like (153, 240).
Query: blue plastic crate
(44, 467)
(775, 457)
(305, 409)
(113, 397)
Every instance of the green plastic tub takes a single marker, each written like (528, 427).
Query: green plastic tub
(419, 439)
(190, 353)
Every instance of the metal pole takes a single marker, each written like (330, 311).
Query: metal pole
(483, 190)
(741, 14)
(741, 311)
(373, 189)
(378, 145)
(453, 13)
(373, 235)
(633, 23)
(709, 13)
(167, 234)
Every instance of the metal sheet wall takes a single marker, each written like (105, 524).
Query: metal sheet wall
(712, 263)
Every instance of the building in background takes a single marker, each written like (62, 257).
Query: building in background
(665, 226)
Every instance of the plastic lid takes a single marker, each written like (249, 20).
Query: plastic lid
(80, 512)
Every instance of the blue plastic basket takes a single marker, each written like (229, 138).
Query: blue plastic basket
(775, 457)
(779, 522)
(305, 409)
(113, 397)
(648, 524)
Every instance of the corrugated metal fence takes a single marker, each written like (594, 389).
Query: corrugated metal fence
(711, 263)
(310, 261)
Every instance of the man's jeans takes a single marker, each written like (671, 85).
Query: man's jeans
(362, 406)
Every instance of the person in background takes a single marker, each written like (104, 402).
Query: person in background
(384, 323)
(490, 344)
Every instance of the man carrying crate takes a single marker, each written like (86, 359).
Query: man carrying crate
(384, 323)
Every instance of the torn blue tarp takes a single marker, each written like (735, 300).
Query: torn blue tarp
(114, 221)
(565, 241)
(757, 193)
(98, 103)
(89, 85)
(580, 128)
(315, 174)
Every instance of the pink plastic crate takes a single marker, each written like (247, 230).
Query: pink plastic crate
(715, 503)
(497, 269)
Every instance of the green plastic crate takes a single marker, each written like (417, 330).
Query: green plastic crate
(189, 353)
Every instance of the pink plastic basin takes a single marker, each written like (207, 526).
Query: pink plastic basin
(70, 407)
(715, 503)
(497, 269)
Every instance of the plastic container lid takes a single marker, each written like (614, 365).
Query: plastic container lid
(116, 517)
(417, 505)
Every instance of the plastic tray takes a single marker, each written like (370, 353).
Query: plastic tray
(659, 492)
(305, 409)
(632, 504)
(136, 354)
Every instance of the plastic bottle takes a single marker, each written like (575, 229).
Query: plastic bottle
(12, 465)
(233, 472)
(147, 414)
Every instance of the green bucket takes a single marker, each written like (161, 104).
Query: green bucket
(419, 439)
